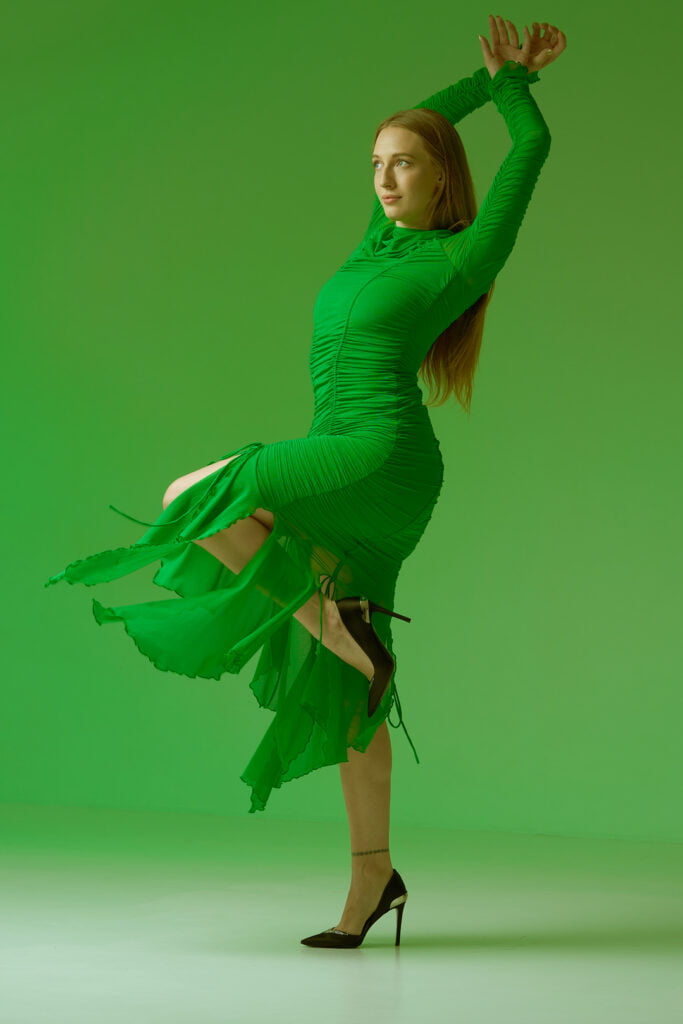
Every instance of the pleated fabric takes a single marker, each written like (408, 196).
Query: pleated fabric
(351, 500)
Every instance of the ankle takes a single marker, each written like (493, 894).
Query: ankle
(370, 861)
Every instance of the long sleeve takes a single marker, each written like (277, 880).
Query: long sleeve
(480, 250)
(461, 98)
(454, 102)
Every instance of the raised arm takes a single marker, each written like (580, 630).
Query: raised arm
(454, 102)
(461, 98)
(480, 250)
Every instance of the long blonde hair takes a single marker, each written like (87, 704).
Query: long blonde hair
(449, 366)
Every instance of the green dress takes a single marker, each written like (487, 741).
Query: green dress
(353, 497)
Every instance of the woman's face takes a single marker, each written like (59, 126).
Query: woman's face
(403, 168)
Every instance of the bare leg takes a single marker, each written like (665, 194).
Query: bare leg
(236, 545)
(366, 781)
(366, 777)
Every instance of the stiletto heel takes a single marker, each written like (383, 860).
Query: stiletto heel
(378, 608)
(394, 896)
(356, 614)
(399, 919)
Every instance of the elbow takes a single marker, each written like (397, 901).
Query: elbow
(537, 144)
(534, 143)
(540, 135)
(542, 139)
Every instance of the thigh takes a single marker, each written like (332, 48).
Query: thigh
(263, 515)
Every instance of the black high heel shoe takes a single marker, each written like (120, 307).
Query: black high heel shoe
(395, 895)
(355, 614)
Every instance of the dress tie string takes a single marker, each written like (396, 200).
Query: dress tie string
(400, 722)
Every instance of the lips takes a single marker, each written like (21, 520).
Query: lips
(390, 197)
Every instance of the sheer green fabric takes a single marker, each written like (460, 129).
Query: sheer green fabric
(352, 498)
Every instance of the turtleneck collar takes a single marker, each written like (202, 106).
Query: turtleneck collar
(399, 230)
(391, 238)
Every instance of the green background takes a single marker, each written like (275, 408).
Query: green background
(179, 182)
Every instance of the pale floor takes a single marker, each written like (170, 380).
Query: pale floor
(133, 917)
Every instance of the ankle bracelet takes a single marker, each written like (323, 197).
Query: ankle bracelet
(361, 853)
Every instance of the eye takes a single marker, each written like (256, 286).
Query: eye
(401, 161)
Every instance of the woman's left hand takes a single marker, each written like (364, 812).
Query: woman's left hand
(544, 49)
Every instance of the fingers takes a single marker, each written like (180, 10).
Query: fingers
(504, 33)
(552, 39)
(544, 36)
(514, 38)
(493, 29)
(499, 31)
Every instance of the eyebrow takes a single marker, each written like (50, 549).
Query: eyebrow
(395, 154)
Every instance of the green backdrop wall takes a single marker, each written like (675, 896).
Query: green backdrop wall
(179, 183)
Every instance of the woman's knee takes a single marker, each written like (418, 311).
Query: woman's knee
(183, 482)
(172, 492)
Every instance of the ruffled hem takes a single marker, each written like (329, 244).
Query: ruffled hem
(221, 619)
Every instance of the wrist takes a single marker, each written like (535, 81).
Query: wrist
(511, 69)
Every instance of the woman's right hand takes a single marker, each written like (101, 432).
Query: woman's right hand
(503, 48)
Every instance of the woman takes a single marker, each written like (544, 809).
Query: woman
(294, 548)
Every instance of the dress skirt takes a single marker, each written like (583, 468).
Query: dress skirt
(346, 515)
